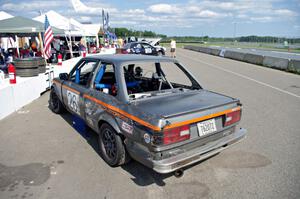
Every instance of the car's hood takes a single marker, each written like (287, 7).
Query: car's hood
(182, 103)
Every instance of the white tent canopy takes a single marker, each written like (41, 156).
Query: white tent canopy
(91, 29)
(70, 25)
(5, 15)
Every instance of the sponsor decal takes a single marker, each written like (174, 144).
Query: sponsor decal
(147, 138)
(127, 128)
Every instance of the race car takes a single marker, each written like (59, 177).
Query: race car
(143, 48)
(148, 108)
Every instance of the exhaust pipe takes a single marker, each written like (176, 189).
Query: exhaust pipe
(178, 173)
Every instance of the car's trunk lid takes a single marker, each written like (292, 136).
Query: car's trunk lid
(183, 103)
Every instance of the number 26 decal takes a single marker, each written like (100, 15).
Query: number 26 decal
(73, 101)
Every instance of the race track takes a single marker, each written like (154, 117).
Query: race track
(271, 53)
(264, 165)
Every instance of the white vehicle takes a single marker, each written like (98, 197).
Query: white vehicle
(155, 43)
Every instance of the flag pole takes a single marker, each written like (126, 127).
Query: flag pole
(42, 46)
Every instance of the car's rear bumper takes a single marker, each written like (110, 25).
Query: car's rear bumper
(181, 160)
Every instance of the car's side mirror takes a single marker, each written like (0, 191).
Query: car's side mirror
(63, 76)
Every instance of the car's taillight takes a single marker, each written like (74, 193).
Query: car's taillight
(232, 117)
(176, 134)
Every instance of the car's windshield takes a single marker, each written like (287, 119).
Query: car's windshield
(144, 79)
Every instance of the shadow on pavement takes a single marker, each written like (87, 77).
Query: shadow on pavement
(142, 175)
(89, 135)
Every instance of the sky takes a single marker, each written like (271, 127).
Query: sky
(215, 18)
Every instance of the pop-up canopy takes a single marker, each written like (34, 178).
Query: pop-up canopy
(5, 15)
(69, 25)
(22, 26)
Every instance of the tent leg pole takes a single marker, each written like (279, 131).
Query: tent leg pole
(17, 44)
(97, 41)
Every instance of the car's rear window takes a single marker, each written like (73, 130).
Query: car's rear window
(148, 77)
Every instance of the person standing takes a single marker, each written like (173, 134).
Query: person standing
(173, 48)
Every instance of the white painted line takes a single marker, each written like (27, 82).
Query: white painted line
(244, 76)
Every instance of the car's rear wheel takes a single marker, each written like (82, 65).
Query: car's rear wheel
(111, 146)
(54, 103)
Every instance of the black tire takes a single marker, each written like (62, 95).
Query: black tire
(41, 62)
(26, 63)
(55, 104)
(159, 53)
(111, 146)
(27, 72)
(42, 69)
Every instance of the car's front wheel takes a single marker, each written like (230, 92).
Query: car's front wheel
(111, 146)
(54, 103)
(159, 53)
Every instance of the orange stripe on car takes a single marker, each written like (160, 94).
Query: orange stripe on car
(71, 89)
(67, 87)
(54, 81)
(156, 128)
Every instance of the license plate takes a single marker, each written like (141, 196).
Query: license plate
(206, 127)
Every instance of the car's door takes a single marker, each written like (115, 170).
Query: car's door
(103, 95)
(78, 84)
(148, 49)
(138, 48)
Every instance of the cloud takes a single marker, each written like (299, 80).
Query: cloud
(32, 6)
(193, 9)
(285, 13)
(242, 16)
(209, 14)
(164, 8)
(136, 11)
(262, 19)
(227, 5)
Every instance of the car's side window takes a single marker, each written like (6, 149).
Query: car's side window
(83, 73)
(146, 46)
(105, 80)
(138, 46)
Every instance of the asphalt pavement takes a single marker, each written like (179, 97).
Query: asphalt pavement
(42, 156)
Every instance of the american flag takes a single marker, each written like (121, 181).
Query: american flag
(48, 38)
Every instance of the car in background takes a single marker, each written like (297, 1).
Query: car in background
(155, 43)
(143, 48)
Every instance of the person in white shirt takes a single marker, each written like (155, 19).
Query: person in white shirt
(173, 48)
